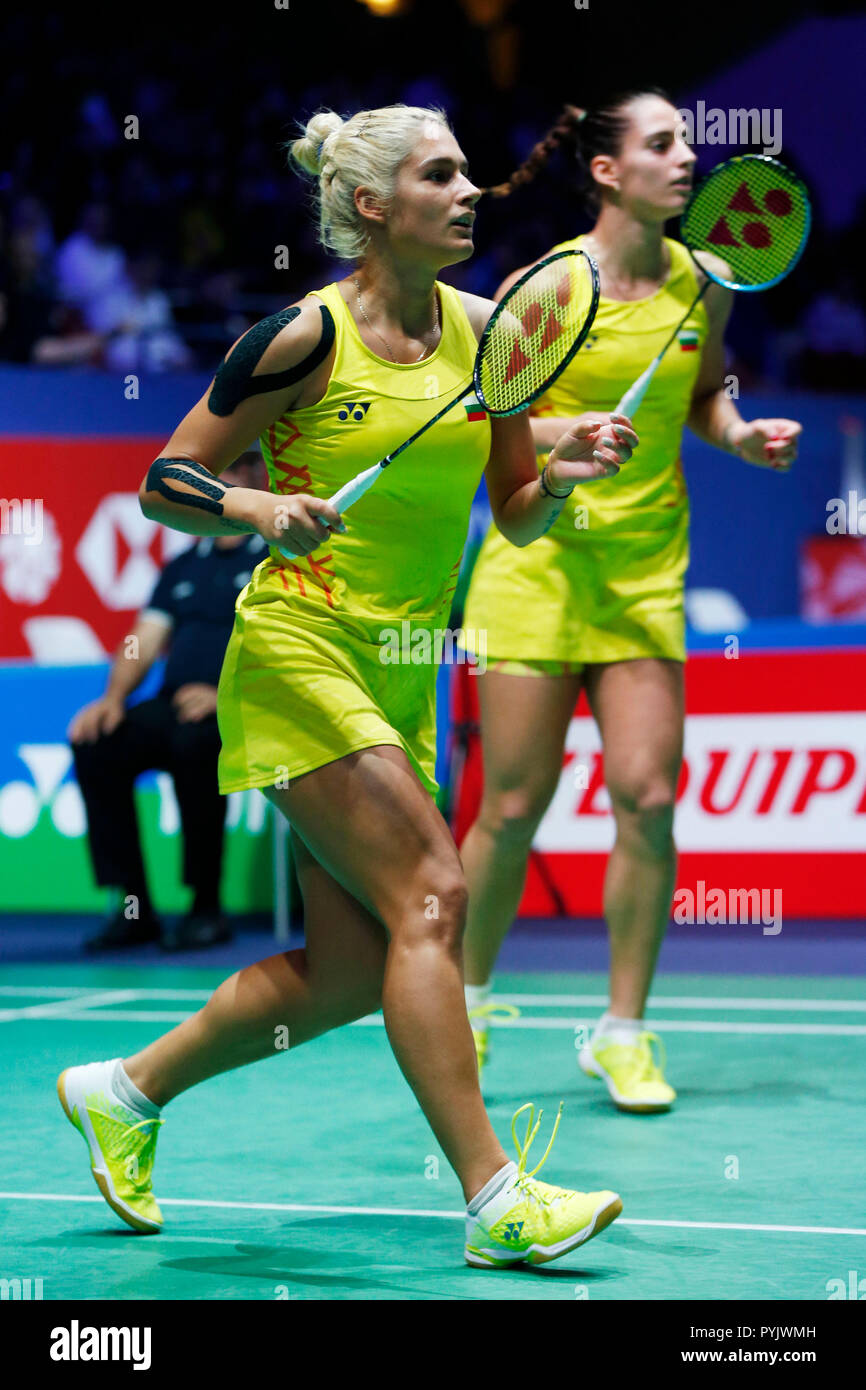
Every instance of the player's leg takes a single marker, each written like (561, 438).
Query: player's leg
(280, 1002)
(370, 822)
(524, 720)
(372, 827)
(261, 1011)
(638, 706)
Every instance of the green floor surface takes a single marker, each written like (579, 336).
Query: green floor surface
(769, 1131)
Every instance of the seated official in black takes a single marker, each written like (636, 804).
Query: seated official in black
(192, 611)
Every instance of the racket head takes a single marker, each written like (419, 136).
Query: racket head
(535, 330)
(755, 214)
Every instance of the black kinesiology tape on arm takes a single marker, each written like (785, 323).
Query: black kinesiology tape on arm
(213, 491)
(234, 381)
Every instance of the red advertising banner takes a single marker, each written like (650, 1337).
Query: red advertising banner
(833, 578)
(77, 557)
(772, 795)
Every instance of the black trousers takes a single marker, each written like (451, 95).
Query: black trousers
(151, 737)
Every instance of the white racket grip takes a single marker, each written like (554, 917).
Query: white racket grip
(635, 393)
(356, 487)
(346, 495)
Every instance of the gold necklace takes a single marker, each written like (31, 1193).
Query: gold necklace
(379, 335)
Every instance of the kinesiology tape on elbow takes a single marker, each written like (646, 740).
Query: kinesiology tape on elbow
(210, 491)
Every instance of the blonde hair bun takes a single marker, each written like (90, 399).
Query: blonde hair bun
(309, 151)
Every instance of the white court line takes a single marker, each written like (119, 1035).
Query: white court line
(541, 1001)
(443, 1215)
(82, 991)
(49, 990)
(664, 1025)
(668, 1025)
(553, 1001)
(56, 1009)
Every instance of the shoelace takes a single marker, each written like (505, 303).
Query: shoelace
(637, 1058)
(145, 1158)
(524, 1179)
(652, 1070)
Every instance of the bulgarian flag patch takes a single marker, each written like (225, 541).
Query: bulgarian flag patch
(688, 341)
(474, 409)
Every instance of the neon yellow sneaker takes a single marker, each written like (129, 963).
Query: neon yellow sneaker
(532, 1221)
(630, 1072)
(483, 1013)
(122, 1145)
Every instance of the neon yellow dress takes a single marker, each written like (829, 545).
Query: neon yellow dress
(606, 582)
(308, 674)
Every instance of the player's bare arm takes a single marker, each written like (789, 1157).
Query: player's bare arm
(279, 365)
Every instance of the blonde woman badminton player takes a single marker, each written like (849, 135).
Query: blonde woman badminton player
(339, 742)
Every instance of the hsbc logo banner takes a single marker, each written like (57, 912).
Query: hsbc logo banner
(750, 782)
(71, 597)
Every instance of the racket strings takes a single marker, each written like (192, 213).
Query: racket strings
(754, 214)
(535, 330)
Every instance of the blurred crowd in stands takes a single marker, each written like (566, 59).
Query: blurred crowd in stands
(154, 253)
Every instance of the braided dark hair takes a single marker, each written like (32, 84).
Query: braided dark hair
(584, 133)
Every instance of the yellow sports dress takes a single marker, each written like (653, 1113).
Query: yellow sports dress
(606, 582)
(310, 673)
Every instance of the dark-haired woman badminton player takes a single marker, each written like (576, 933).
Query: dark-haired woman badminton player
(597, 604)
(340, 742)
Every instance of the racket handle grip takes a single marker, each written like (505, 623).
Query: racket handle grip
(356, 487)
(636, 392)
(345, 496)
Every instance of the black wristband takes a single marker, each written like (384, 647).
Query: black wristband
(548, 491)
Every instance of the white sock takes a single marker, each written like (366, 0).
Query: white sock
(477, 994)
(618, 1030)
(131, 1096)
(490, 1189)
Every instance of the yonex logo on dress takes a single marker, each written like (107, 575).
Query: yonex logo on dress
(356, 409)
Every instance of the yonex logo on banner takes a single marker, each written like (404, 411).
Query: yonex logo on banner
(52, 789)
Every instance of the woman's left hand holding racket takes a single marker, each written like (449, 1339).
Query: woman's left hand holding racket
(595, 446)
